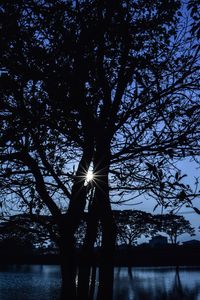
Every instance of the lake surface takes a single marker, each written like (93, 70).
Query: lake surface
(42, 282)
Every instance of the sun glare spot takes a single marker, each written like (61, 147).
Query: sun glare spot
(89, 176)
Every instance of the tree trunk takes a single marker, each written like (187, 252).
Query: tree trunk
(102, 161)
(87, 254)
(92, 283)
(106, 267)
(68, 268)
(68, 226)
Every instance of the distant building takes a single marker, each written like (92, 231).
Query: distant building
(158, 240)
(192, 243)
(3, 72)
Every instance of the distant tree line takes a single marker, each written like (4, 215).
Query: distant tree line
(20, 232)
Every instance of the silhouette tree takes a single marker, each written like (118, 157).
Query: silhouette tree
(173, 226)
(23, 227)
(131, 225)
(113, 85)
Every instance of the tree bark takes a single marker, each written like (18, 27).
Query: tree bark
(106, 267)
(68, 266)
(102, 162)
(87, 254)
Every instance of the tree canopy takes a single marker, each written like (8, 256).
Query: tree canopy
(132, 77)
(102, 84)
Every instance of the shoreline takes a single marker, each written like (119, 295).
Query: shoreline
(126, 257)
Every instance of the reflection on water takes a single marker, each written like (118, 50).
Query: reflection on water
(43, 283)
(157, 284)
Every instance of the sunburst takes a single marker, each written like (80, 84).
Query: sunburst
(89, 176)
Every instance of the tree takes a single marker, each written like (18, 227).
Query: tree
(24, 227)
(16, 240)
(131, 225)
(113, 85)
(173, 226)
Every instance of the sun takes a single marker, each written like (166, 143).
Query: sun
(89, 176)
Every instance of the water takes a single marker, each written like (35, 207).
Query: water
(41, 282)
(157, 284)
(35, 282)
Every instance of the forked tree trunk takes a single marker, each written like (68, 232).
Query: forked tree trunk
(86, 277)
(84, 288)
(102, 211)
